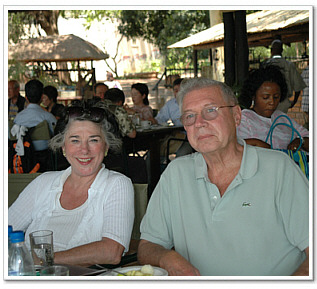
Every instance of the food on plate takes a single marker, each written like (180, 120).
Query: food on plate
(146, 270)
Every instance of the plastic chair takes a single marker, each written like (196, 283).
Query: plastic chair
(41, 131)
(17, 183)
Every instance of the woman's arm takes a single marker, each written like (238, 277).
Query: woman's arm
(106, 251)
(257, 142)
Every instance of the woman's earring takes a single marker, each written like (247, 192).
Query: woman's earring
(64, 154)
(106, 153)
(252, 103)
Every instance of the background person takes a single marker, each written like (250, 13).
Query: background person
(139, 94)
(111, 82)
(33, 115)
(16, 101)
(100, 90)
(171, 111)
(295, 83)
(114, 99)
(230, 209)
(49, 101)
(89, 208)
(261, 94)
(305, 96)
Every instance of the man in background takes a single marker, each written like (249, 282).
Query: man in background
(115, 98)
(171, 112)
(34, 114)
(100, 90)
(16, 102)
(295, 83)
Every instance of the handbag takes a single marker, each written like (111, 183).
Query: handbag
(298, 156)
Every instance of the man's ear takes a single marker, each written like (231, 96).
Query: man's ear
(237, 114)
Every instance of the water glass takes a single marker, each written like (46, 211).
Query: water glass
(42, 248)
(56, 270)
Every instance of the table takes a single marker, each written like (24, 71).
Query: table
(150, 139)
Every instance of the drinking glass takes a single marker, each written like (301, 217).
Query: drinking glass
(42, 248)
(55, 270)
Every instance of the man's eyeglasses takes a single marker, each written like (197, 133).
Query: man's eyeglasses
(208, 113)
(95, 114)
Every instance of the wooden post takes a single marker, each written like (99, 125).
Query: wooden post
(242, 47)
(229, 48)
(195, 57)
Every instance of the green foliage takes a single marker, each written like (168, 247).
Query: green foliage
(161, 27)
(164, 27)
(17, 70)
(91, 15)
(17, 23)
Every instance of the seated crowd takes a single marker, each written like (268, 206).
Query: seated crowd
(234, 207)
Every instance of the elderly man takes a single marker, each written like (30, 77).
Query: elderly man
(230, 208)
(16, 101)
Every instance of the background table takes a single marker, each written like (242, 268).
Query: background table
(151, 140)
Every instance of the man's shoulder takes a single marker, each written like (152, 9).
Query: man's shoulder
(187, 161)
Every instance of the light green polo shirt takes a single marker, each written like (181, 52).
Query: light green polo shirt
(259, 227)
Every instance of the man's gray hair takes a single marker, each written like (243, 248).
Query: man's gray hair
(112, 141)
(192, 84)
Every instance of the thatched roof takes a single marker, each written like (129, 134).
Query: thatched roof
(262, 28)
(56, 48)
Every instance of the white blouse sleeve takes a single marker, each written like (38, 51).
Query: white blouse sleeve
(20, 212)
(119, 212)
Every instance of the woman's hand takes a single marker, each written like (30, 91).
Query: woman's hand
(294, 145)
(128, 109)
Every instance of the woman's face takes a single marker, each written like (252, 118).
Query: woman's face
(267, 98)
(137, 97)
(46, 101)
(85, 147)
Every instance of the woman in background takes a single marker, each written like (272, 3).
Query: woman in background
(49, 101)
(261, 93)
(139, 93)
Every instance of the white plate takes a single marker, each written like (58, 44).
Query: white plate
(157, 271)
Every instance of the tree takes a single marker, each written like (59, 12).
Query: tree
(160, 27)
(99, 15)
(41, 19)
(164, 27)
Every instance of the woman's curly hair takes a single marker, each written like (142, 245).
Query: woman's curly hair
(256, 79)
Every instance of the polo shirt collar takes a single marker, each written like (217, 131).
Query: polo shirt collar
(248, 168)
(34, 105)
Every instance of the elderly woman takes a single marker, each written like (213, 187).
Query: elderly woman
(89, 208)
(261, 93)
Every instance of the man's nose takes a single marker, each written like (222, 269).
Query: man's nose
(199, 121)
